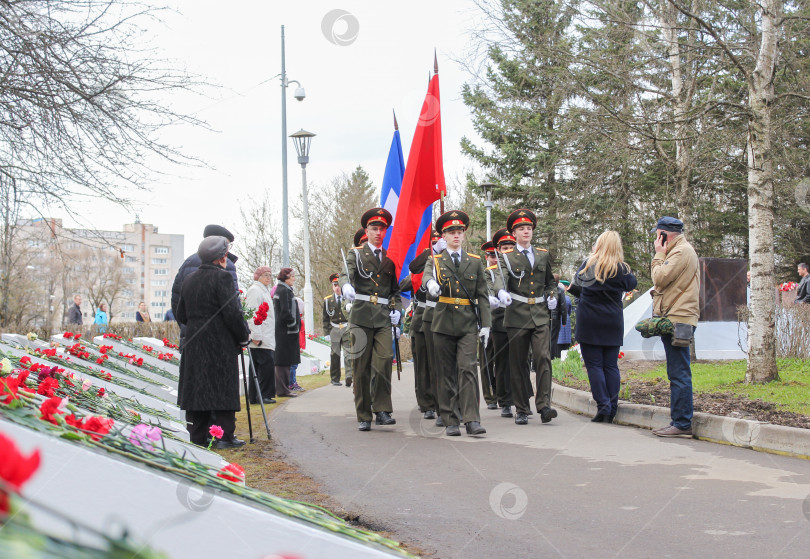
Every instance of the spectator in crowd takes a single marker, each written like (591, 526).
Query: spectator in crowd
(102, 319)
(803, 291)
(75, 311)
(603, 278)
(193, 262)
(168, 316)
(288, 326)
(675, 295)
(564, 337)
(262, 336)
(142, 314)
(302, 345)
(208, 389)
(559, 317)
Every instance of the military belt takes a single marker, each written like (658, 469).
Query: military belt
(430, 304)
(371, 299)
(528, 300)
(421, 304)
(454, 300)
(341, 325)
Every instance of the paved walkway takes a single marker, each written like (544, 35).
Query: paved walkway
(570, 488)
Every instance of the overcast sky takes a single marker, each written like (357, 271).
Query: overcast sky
(351, 91)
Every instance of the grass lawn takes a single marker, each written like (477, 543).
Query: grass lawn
(790, 393)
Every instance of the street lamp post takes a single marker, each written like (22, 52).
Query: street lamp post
(487, 187)
(302, 140)
(299, 95)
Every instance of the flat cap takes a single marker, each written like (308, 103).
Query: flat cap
(212, 248)
(667, 223)
(217, 230)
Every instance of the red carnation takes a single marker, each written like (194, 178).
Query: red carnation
(232, 472)
(8, 388)
(15, 468)
(47, 386)
(25, 360)
(100, 392)
(99, 426)
(49, 409)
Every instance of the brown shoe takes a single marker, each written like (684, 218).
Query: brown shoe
(672, 431)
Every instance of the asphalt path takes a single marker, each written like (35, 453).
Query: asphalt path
(569, 488)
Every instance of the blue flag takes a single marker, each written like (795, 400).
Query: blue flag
(392, 181)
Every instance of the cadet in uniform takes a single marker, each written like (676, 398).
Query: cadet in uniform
(458, 279)
(424, 385)
(335, 321)
(417, 266)
(373, 289)
(504, 242)
(489, 387)
(529, 293)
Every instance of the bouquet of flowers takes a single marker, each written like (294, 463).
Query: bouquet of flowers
(788, 286)
(247, 312)
(261, 313)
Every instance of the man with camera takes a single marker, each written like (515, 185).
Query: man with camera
(675, 295)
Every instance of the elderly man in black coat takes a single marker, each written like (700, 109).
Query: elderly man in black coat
(215, 332)
(190, 265)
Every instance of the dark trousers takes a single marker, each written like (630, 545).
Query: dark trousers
(425, 398)
(432, 367)
(457, 377)
(520, 340)
(602, 363)
(340, 339)
(488, 380)
(265, 372)
(503, 382)
(199, 422)
(679, 371)
(371, 348)
(556, 324)
(283, 380)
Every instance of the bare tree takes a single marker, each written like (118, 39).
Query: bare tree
(82, 100)
(258, 241)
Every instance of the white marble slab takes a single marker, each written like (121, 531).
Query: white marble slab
(169, 514)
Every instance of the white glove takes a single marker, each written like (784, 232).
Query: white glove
(433, 287)
(484, 334)
(504, 298)
(395, 317)
(552, 303)
(440, 245)
(494, 302)
(398, 332)
(348, 307)
(348, 292)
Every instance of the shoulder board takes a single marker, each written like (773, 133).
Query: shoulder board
(473, 256)
(544, 250)
(508, 251)
(492, 267)
(357, 247)
(327, 297)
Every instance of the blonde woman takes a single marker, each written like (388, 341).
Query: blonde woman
(603, 279)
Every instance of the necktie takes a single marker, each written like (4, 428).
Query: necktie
(377, 254)
(456, 259)
(338, 300)
(526, 252)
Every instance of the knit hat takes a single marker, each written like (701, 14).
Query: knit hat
(260, 271)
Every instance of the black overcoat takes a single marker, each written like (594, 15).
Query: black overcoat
(288, 326)
(215, 327)
(600, 314)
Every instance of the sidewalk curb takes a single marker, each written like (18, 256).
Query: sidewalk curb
(756, 435)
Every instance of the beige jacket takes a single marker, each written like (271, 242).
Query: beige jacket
(675, 274)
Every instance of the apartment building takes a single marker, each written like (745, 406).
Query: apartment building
(122, 268)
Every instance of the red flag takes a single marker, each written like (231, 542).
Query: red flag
(422, 183)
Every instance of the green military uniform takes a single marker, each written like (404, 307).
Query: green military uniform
(377, 293)
(424, 383)
(455, 329)
(337, 324)
(527, 319)
(488, 381)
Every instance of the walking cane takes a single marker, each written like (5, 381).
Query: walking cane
(247, 397)
(254, 374)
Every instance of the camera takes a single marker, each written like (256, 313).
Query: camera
(300, 94)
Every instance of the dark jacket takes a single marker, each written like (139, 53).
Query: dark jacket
(74, 314)
(803, 292)
(288, 324)
(600, 315)
(215, 329)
